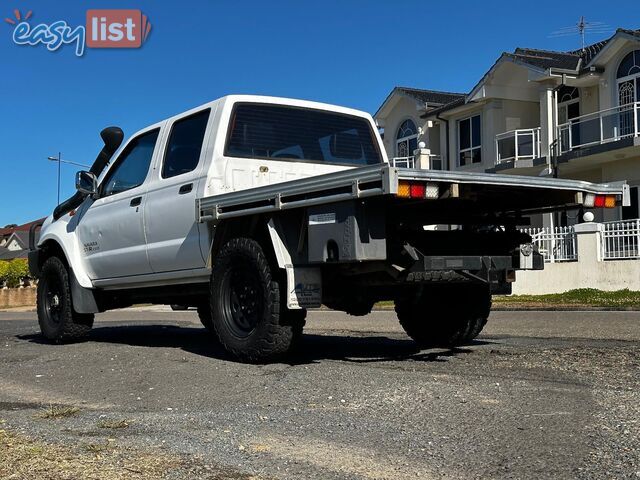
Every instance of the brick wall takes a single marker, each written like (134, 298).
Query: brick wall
(17, 297)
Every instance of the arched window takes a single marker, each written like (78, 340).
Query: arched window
(630, 65)
(406, 139)
(628, 81)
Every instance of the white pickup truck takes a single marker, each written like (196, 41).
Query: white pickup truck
(253, 209)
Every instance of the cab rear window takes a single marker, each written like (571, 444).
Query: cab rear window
(300, 134)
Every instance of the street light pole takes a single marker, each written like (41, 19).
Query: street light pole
(60, 162)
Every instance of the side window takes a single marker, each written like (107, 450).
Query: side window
(185, 144)
(132, 165)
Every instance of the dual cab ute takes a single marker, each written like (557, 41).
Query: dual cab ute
(253, 209)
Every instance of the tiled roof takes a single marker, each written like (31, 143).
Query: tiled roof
(566, 60)
(541, 59)
(430, 96)
(448, 106)
(590, 51)
(6, 254)
(6, 231)
(547, 59)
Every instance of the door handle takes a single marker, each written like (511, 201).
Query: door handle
(185, 188)
(135, 202)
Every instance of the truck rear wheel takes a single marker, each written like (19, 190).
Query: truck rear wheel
(445, 315)
(58, 321)
(247, 314)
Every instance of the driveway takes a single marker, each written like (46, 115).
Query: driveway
(539, 395)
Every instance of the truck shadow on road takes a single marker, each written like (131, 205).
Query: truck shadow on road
(312, 349)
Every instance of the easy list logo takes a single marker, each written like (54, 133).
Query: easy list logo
(104, 29)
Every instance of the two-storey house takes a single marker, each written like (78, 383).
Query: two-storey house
(534, 112)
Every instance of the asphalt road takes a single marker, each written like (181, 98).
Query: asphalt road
(539, 395)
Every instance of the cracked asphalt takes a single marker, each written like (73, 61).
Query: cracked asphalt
(538, 395)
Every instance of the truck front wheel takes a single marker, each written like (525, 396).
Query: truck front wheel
(444, 315)
(247, 314)
(58, 321)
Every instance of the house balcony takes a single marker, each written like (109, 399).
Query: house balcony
(519, 152)
(603, 128)
(435, 162)
(516, 145)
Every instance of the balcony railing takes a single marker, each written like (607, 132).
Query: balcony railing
(521, 144)
(600, 127)
(410, 162)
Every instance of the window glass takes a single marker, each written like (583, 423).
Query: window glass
(351, 147)
(465, 158)
(630, 65)
(407, 129)
(475, 131)
(465, 134)
(185, 144)
(470, 140)
(281, 132)
(132, 165)
(566, 94)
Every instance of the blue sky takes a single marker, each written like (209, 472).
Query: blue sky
(348, 52)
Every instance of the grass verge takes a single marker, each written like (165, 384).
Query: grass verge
(580, 298)
(583, 298)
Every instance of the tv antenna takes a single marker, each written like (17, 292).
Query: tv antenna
(582, 28)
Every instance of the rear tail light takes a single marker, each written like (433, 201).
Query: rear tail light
(610, 201)
(418, 190)
(404, 190)
(599, 201)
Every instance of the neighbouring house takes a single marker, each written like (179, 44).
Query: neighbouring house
(14, 240)
(530, 108)
(573, 114)
(400, 117)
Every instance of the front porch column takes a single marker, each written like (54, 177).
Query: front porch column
(547, 123)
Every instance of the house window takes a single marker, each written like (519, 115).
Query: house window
(628, 80)
(406, 139)
(568, 109)
(568, 103)
(469, 141)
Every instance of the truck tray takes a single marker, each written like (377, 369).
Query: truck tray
(501, 193)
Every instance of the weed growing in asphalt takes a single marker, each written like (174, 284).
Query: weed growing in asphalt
(58, 411)
(113, 424)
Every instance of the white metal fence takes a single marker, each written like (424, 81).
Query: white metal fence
(621, 240)
(556, 244)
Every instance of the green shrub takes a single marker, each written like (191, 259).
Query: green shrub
(4, 270)
(12, 272)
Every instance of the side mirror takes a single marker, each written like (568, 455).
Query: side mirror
(87, 183)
